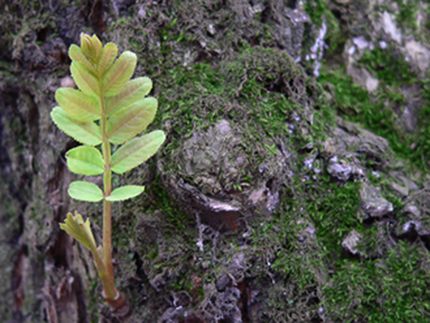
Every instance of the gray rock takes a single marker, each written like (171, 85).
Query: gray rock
(409, 183)
(222, 282)
(352, 141)
(351, 241)
(344, 169)
(373, 203)
(172, 315)
(412, 210)
(403, 191)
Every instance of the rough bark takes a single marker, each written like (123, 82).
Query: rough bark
(175, 260)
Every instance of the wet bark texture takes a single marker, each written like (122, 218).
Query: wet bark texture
(236, 85)
(45, 276)
(41, 277)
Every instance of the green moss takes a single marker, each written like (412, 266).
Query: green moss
(421, 142)
(332, 219)
(399, 296)
(259, 85)
(317, 9)
(378, 112)
(176, 218)
(407, 14)
(388, 66)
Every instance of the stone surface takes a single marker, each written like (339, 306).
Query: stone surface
(390, 27)
(352, 140)
(373, 203)
(403, 191)
(419, 54)
(344, 169)
(351, 241)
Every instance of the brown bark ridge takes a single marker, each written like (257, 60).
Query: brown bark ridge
(44, 275)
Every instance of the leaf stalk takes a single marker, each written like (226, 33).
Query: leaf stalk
(107, 186)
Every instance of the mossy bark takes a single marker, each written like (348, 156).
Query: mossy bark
(212, 62)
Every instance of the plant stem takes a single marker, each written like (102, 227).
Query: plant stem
(107, 237)
(107, 206)
(112, 296)
(108, 284)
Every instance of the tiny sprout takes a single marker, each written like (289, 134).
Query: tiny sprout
(106, 108)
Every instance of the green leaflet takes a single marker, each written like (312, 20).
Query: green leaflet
(107, 57)
(127, 123)
(85, 191)
(87, 133)
(85, 80)
(137, 151)
(91, 47)
(78, 105)
(118, 75)
(85, 160)
(125, 193)
(76, 55)
(133, 91)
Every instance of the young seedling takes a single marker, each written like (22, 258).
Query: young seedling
(107, 109)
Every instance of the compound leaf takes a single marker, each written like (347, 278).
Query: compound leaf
(84, 79)
(133, 91)
(126, 123)
(78, 105)
(137, 151)
(87, 133)
(85, 160)
(85, 191)
(118, 75)
(125, 193)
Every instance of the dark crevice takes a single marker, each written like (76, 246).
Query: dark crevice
(411, 235)
(243, 300)
(56, 184)
(61, 249)
(80, 298)
(33, 121)
(139, 266)
(426, 240)
(4, 158)
(17, 281)
(42, 34)
(292, 4)
(95, 17)
(266, 14)
(18, 183)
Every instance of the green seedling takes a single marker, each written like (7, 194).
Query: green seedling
(107, 109)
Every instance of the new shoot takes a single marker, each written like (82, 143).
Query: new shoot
(107, 109)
